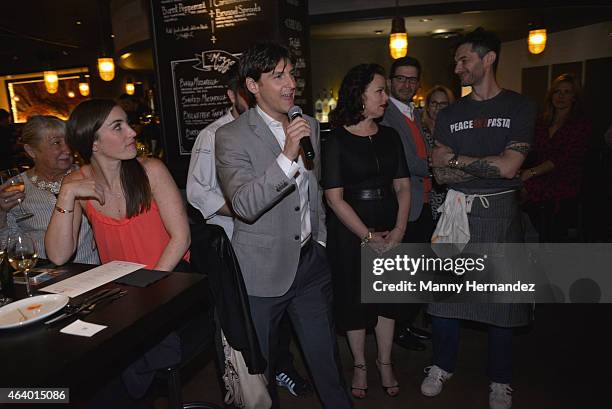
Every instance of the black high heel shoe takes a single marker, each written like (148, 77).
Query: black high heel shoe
(364, 368)
(386, 388)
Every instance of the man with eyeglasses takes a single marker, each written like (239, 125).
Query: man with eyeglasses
(401, 115)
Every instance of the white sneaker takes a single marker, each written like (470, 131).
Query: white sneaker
(500, 396)
(432, 384)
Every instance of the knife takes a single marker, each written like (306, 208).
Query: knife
(88, 302)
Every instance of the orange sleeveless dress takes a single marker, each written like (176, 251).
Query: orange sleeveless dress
(140, 239)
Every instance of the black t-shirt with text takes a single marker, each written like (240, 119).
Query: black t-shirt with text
(485, 128)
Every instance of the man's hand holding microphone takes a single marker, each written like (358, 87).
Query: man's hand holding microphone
(297, 135)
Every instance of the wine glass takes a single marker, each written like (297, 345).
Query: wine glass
(15, 184)
(22, 256)
(3, 239)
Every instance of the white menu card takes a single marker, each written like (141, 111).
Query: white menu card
(90, 279)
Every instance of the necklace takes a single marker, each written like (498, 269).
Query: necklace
(53, 187)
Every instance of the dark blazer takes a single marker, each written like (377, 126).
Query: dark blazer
(212, 254)
(418, 167)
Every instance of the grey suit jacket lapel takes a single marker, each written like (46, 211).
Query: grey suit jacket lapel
(260, 129)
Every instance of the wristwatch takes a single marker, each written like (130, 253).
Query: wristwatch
(454, 161)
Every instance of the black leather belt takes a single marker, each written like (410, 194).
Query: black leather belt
(366, 194)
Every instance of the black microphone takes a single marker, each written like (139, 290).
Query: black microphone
(305, 143)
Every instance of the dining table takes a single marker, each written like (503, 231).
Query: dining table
(38, 355)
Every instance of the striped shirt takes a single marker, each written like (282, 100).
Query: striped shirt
(41, 203)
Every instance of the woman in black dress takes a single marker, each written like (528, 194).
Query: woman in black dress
(367, 187)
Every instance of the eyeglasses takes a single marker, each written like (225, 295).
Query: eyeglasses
(402, 79)
(436, 104)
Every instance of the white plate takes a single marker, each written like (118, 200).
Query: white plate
(32, 309)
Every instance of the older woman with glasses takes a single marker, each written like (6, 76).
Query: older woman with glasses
(436, 99)
(554, 179)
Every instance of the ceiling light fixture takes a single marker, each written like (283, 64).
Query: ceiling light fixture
(130, 88)
(425, 20)
(444, 34)
(51, 81)
(106, 68)
(83, 86)
(398, 40)
(106, 64)
(536, 41)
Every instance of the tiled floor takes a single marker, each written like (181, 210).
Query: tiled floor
(558, 365)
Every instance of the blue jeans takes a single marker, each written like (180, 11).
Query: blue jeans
(445, 332)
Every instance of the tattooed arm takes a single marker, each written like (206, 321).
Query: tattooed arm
(439, 163)
(505, 165)
(448, 175)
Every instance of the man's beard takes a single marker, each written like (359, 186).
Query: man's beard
(405, 99)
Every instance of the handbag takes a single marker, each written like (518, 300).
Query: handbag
(244, 390)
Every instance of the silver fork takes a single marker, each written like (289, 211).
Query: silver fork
(92, 300)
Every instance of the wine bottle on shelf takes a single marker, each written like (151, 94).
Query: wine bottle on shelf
(151, 101)
(319, 108)
(325, 102)
(332, 103)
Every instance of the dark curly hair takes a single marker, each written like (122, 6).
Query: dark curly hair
(349, 110)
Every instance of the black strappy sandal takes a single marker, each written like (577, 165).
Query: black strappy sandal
(364, 368)
(386, 388)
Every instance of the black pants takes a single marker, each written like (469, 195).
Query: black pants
(284, 358)
(308, 303)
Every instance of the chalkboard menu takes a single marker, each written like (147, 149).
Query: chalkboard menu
(295, 34)
(196, 42)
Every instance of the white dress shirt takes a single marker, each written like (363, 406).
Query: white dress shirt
(203, 190)
(406, 109)
(292, 169)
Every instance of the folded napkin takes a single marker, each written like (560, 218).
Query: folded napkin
(142, 278)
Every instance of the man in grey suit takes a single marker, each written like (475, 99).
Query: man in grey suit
(401, 115)
(280, 229)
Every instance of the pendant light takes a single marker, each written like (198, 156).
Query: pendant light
(51, 81)
(537, 41)
(130, 88)
(398, 40)
(106, 64)
(106, 68)
(83, 86)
